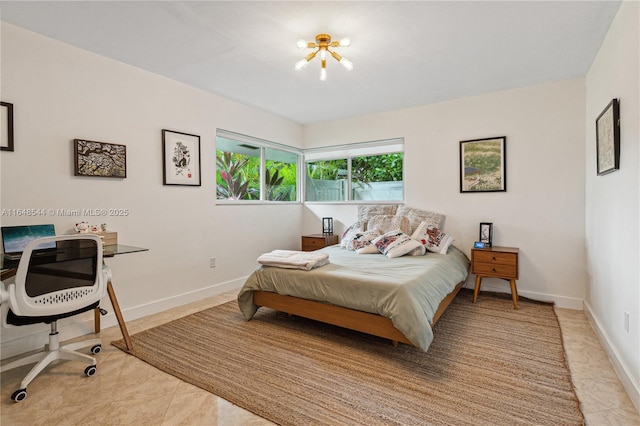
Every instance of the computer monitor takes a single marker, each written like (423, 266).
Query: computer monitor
(16, 238)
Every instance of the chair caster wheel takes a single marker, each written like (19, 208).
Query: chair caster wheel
(19, 395)
(90, 370)
(96, 349)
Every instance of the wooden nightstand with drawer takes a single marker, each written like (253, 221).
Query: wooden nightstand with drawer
(317, 241)
(496, 262)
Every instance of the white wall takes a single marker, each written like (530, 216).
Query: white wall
(60, 93)
(542, 211)
(612, 200)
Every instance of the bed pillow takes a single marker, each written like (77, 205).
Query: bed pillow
(349, 233)
(370, 249)
(432, 238)
(367, 211)
(396, 243)
(417, 216)
(386, 223)
(363, 239)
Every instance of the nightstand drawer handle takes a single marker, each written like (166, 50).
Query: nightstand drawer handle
(494, 258)
(493, 269)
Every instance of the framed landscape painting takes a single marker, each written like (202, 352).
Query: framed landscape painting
(483, 166)
(608, 139)
(181, 158)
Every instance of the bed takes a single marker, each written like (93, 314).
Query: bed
(397, 299)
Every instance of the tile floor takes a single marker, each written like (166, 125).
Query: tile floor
(127, 391)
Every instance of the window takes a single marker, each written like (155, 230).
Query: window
(371, 171)
(251, 169)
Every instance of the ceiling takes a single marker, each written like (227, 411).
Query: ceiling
(405, 54)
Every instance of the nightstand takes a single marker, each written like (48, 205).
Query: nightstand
(313, 242)
(496, 262)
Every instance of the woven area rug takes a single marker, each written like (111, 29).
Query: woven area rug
(488, 364)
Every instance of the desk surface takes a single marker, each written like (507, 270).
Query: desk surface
(7, 265)
(115, 249)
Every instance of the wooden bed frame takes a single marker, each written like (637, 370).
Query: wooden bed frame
(344, 317)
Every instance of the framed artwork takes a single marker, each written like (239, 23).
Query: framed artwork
(181, 158)
(486, 233)
(608, 139)
(483, 166)
(6, 140)
(99, 159)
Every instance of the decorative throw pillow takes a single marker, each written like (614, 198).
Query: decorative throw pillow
(416, 216)
(367, 211)
(432, 238)
(396, 243)
(362, 239)
(348, 234)
(370, 249)
(386, 223)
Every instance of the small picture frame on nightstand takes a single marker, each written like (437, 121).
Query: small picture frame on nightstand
(486, 233)
(479, 245)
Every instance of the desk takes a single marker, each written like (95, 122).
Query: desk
(9, 267)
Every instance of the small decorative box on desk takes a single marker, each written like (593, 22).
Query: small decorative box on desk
(313, 242)
(496, 262)
(107, 237)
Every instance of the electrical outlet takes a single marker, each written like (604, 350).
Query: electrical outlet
(212, 262)
(626, 322)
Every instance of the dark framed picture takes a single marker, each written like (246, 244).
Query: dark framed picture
(608, 139)
(6, 140)
(483, 165)
(486, 233)
(181, 158)
(99, 159)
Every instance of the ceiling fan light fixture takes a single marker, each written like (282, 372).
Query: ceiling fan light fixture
(322, 44)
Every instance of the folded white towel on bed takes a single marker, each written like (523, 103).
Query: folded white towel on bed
(305, 260)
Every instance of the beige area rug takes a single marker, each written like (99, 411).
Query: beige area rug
(488, 365)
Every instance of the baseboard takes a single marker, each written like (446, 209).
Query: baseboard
(630, 384)
(559, 301)
(161, 305)
(34, 337)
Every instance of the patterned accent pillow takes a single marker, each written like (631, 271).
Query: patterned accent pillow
(386, 223)
(396, 243)
(348, 234)
(417, 216)
(432, 238)
(362, 239)
(367, 211)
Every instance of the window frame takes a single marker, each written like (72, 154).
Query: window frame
(262, 145)
(325, 153)
(348, 152)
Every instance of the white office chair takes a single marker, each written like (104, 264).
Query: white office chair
(57, 277)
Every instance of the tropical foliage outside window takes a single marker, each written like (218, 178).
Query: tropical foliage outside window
(238, 177)
(374, 178)
(250, 169)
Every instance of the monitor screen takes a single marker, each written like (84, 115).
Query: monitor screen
(16, 238)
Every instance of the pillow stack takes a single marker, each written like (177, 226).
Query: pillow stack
(396, 231)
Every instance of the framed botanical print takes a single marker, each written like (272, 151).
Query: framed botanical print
(608, 139)
(181, 158)
(486, 233)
